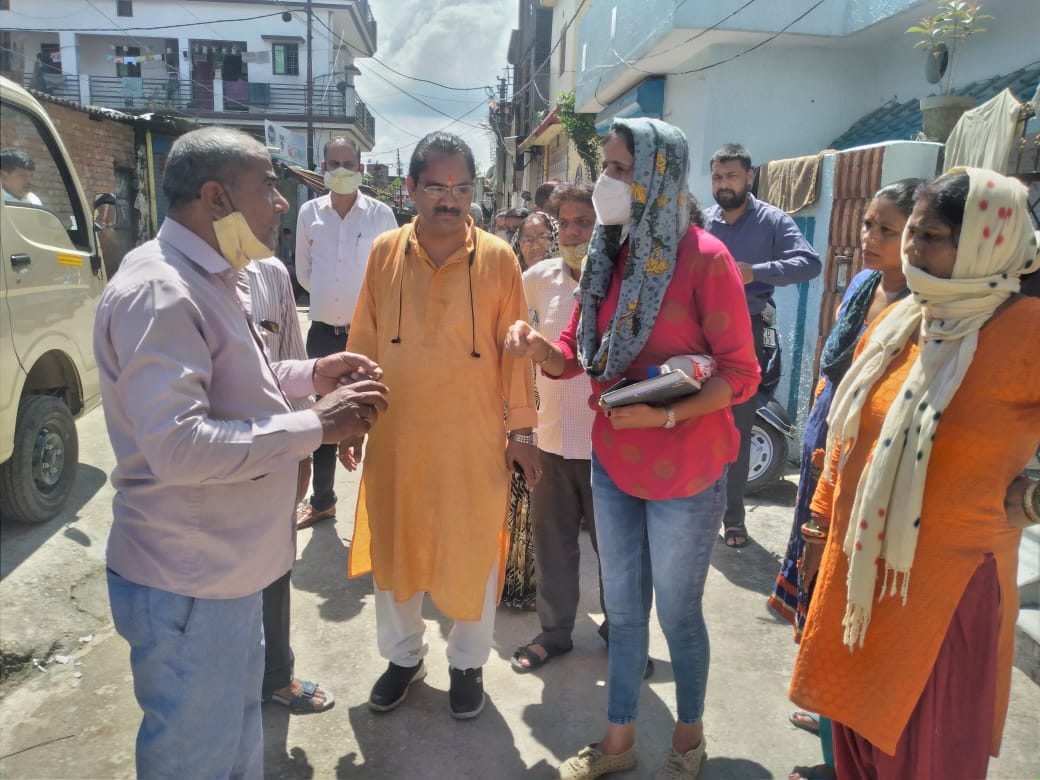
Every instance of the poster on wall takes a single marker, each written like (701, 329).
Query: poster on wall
(292, 146)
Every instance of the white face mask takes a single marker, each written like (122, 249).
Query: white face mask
(343, 181)
(238, 244)
(574, 256)
(612, 199)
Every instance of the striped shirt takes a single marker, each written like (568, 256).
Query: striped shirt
(564, 416)
(266, 294)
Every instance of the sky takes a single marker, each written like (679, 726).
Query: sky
(459, 43)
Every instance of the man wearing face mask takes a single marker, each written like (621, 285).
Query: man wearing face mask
(334, 234)
(563, 499)
(207, 452)
(770, 252)
(511, 225)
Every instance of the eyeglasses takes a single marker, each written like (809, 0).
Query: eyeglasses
(544, 238)
(439, 191)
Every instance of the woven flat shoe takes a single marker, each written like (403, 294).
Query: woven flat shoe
(592, 762)
(682, 766)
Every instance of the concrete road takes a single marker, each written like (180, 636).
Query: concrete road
(76, 717)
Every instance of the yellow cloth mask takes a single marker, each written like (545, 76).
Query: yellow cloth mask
(238, 244)
(574, 256)
(343, 181)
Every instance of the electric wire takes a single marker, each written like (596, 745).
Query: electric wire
(137, 29)
(716, 64)
(375, 59)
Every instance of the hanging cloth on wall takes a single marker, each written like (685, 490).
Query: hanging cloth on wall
(983, 136)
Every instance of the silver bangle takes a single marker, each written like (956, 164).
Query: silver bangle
(670, 419)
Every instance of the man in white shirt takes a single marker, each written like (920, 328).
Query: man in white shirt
(334, 234)
(16, 175)
(563, 498)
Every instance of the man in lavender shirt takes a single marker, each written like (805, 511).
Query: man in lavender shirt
(770, 252)
(207, 449)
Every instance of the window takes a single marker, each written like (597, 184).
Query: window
(5, 5)
(286, 58)
(563, 53)
(124, 7)
(128, 69)
(50, 58)
(44, 195)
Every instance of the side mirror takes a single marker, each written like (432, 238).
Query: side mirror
(105, 213)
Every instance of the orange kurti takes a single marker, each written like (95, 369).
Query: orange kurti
(434, 494)
(985, 438)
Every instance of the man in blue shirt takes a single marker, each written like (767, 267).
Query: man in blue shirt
(770, 252)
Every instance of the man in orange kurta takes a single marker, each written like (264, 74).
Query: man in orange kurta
(437, 299)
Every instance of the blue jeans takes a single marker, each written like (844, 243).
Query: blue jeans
(198, 665)
(662, 547)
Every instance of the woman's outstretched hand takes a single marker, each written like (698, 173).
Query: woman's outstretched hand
(523, 341)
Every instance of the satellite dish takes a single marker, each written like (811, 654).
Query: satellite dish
(936, 62)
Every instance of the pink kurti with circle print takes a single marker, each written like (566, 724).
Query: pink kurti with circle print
(703, 312)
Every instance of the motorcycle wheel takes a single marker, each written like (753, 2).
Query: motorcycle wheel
(768, 455)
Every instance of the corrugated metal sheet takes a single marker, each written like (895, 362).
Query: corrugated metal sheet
(901, 121)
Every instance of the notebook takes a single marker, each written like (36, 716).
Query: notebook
(656, 390)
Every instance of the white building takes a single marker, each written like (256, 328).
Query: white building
(237, 62)
(558, 157)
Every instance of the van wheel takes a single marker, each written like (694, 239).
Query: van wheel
(768, 454)
(36, 481)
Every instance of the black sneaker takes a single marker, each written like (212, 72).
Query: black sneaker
(466, 696)
(392, 686)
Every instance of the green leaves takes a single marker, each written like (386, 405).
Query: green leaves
(954, 22)
(582, 131)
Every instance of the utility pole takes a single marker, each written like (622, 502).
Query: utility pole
(502, 85)
(310, 88)
(400, 192)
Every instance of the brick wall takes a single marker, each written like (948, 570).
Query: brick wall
(97, 146)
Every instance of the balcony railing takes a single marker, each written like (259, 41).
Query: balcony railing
(370, 21)
(60, 85)
(364, 118)
(241, 98)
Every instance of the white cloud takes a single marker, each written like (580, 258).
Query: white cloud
(455, 42)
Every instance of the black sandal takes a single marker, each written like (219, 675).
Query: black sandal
(532, 658)
(735, 532)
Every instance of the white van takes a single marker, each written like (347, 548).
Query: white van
(51, 278)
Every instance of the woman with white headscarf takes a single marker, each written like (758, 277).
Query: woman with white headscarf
(909, 639)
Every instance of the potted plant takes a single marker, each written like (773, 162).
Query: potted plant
(944, 35)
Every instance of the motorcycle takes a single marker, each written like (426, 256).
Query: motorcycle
(772, 433)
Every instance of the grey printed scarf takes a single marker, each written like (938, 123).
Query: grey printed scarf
(660, 218)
